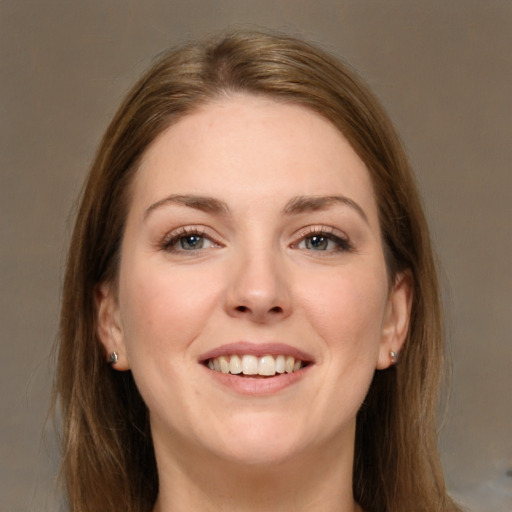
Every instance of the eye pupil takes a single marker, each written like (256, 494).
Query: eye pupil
(191, 242)
(318, 242)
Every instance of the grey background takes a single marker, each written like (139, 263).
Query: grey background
(442, 68)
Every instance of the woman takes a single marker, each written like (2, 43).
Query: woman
(250, 316)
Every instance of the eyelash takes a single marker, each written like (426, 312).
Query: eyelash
(170, 241)
(342, 243)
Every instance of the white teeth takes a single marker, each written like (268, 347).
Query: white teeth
(251, 365)
(280, 364)
(267, 366)
(235, 365)
(224, 365)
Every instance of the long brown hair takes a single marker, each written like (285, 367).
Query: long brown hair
(108, 462)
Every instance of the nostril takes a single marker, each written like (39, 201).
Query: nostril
(275, 309)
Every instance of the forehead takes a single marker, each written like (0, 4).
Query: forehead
(245, 147)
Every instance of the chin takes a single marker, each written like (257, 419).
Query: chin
(261, 453)
(259, 440)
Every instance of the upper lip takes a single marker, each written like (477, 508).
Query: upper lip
(241, 348)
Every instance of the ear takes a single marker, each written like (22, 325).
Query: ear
(396, 320)
(110, 331)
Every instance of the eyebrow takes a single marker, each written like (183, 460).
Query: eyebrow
(303, 204)
(205, 204)
(296, 205)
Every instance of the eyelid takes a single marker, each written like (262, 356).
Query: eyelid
(328, 231)
(320, 229)
(172, 237)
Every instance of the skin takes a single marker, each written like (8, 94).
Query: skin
(257, 278)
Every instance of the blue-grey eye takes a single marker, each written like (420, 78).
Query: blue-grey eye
(185, 240)
(323, 242)
(191, 242)
(319, 243)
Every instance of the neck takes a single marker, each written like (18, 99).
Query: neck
(311, 481)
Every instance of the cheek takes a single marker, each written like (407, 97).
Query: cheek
(163, 312)
(163, 308)
(346, 309)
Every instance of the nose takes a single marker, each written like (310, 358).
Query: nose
(259, 288)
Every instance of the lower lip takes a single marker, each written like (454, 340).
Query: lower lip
(258, 386)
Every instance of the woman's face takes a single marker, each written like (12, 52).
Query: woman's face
(252, 238)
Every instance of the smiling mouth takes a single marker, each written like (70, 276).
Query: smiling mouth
(253, 366)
